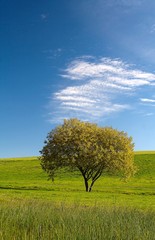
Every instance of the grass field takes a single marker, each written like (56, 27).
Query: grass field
(29, 220)
(23, 178)
(33, 208)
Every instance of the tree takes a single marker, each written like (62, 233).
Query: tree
(89, 148)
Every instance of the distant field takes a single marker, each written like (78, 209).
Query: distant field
(23, 178)
(144, 152)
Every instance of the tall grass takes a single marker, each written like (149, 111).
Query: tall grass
(31, 220)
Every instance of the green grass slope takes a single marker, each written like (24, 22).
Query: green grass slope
(23, 178)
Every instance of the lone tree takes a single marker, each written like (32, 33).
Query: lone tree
(89, 148)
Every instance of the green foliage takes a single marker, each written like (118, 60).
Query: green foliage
(89, 148)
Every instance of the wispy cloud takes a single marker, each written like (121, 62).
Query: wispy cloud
(127, 3)
(54, 53)
(149, 114)
(99, 87)
(152, 30)
(44, 16)
(146, 100)
(113, 71)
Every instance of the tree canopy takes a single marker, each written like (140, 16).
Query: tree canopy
(89, 148)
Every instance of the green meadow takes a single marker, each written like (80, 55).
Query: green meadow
(23, 178)
(33, 207)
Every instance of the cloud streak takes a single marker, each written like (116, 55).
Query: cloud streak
(146, 100)
(99, 87)
(113, 70)
(125, 3)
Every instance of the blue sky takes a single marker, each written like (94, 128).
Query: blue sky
(90, 59)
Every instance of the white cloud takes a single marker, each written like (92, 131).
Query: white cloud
(149, 114)
(152, 28)
(77, 104)
(101, 87)
(108, 70)
(146, 100)
(74, 98)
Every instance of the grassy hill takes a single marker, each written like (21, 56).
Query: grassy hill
(24, 178)
(33, 208)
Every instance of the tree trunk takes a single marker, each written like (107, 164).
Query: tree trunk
(86, 184)
(85, 179)
(91, 185)
(97, 175)
(87, 175)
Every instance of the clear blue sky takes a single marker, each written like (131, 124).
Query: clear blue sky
(90, 59)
